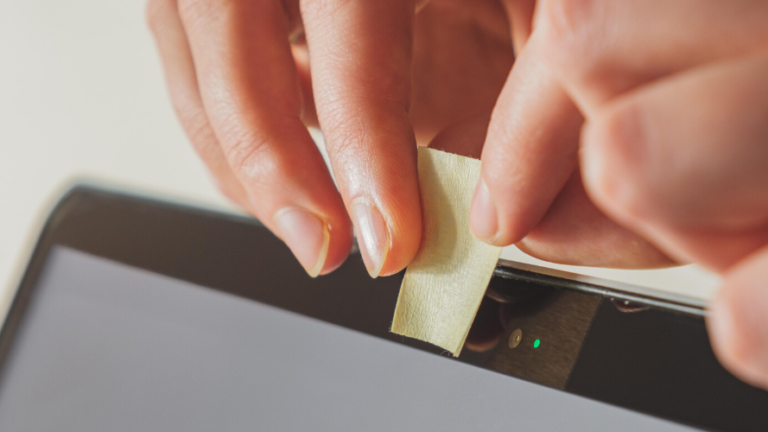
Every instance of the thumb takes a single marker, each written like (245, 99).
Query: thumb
(738, 320)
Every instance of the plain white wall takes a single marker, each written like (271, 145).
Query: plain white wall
(82, 95)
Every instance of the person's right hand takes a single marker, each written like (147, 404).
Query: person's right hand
(239, 77)
(663, 105)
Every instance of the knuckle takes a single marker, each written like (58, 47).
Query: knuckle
(347, 131)
(568, 27)
(247, 155)
(262, 150)
(341, 129)
(202, 137)
(345, 135)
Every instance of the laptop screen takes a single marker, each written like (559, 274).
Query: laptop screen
(105, 346)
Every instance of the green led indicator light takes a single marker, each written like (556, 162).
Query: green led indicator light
(536, 343)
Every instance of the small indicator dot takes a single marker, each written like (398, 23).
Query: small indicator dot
(536, 343)
(515, 338)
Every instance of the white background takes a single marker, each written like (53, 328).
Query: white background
(82, 96)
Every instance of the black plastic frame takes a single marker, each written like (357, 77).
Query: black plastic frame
(219, 250)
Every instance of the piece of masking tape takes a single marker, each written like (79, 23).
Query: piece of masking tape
(444, 285)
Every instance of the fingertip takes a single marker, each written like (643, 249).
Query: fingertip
(720, 325)
(467, 138)
(308, 235)
(340, 245)
(730, 346)
(392, 211)
(738, 326)
(405, 227)
(373, 235)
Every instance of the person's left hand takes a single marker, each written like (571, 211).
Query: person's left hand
(246, 77)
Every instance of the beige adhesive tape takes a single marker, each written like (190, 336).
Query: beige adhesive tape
(444, 285)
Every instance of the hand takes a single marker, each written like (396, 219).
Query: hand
(661, 107)
(382, 76)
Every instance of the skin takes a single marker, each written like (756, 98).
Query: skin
(628, 134)
(372, 89)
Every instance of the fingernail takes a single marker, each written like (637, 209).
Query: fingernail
(307, 236)
(483, 219)
(372, 235)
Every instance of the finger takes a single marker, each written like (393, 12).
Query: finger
(530, 152)
(301, 58)
(738, 322)
(602, 49)
(300, 53)
(250, 91)
(683, 161)
(360, 52)
(172, 45)
(520, 13)
(460, 63)
(573, 231)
